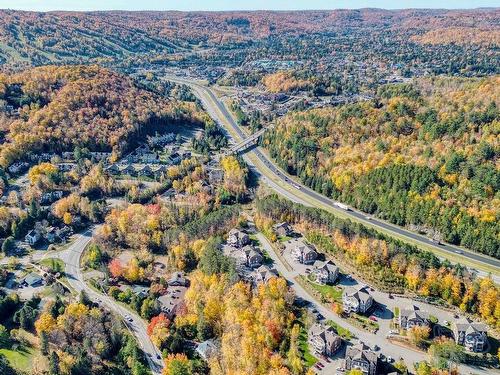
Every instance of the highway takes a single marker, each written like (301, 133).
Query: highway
(294, 190)
(132, 321)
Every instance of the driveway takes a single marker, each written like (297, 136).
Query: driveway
(386, 347)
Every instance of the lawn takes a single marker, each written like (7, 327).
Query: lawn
(364, 322)
(396, 312)
(253, 238)
(54, 263)
(309, 359)
(21, 358)
(329, 293)
(341, 331)
(284, 238)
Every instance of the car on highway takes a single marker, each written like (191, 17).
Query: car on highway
(459, 251)
(297, 187)
(368, 217)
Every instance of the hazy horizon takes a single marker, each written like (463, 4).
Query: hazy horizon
(235, 5)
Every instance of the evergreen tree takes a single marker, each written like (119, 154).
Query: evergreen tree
(54, 364)
(44, 343)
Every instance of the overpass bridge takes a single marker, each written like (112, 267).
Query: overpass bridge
(248, 142)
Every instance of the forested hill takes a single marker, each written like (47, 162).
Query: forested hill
(34, 38)
(424, 155)
(53, 109)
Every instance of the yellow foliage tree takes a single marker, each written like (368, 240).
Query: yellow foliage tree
(45, 323)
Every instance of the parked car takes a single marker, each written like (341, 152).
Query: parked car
(372, 318)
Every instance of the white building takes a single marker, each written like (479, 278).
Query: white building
(325, 272)
(473, 336)
(301, 252)
(323, 339)
(356, 300)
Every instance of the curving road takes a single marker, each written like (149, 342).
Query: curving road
(380, 338)
(133, 322)
(294, 190)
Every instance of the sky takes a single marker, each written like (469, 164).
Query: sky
(215, 5)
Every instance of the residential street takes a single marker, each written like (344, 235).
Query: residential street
(137, 326)
(386, 347)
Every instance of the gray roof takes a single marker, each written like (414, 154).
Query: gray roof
(326, 333)
(32, 278)
(139, 289)
(361, 351)
(283, 225)
(468, 326)
(266, 273)
(414, 312)
(207, 348)
(177, 278)
(327, 265)
(236, 232)
(250, 252)
(359, 293)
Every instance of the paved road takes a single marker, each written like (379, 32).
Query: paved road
(217, 109)
(386, 347)
(137, 326)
